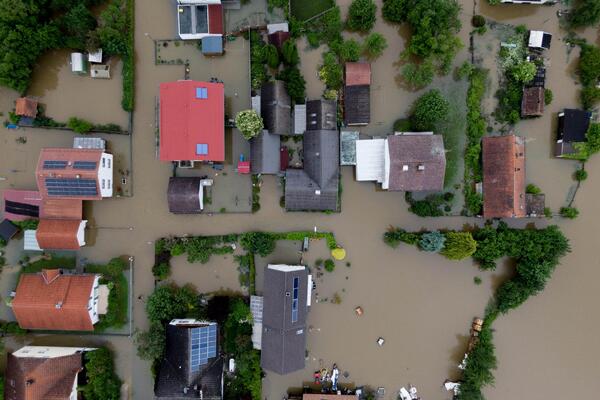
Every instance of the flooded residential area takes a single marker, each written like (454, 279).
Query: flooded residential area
(382, 317)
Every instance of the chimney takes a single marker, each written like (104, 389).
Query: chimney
(421, 167)
(29, 382)
(405, 168)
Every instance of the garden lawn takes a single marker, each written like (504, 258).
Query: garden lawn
(118, 300)
(306, 9)
(53, 263)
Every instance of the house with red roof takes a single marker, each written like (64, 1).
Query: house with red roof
(192, 121)
(51, 300)
(197, 19)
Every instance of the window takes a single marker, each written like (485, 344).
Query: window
(108, 163)
(295, 301)
(109, 183)
(103, 183)
(103, 162)
(202, 149)
(201, 93)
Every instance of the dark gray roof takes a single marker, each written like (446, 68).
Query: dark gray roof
(183, 195)
(264, 153)
(7, 230)
(321, 114)
(174, 373)
(357, 105)
(316, 186)
(535, 204)
(276, 108)
(283, 341)
(573, 125)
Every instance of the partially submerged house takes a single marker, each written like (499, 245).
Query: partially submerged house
(192, 122)
(411, 162)
(532, 102)
(287, 297)
(504, 177)
(185, 195)
(357, 93)
(197, 19)
(53, 300)
(264, 152)
(278, 33)
(192, 366)
(80, 174)
(26, 107)
(573, 125)
(45, 373)
(539, 40)
(276, 108)
(56, 234)
(321, 115)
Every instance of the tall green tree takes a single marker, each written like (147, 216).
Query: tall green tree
(428, 110)
(459, 245)
(361, 15)
(169, 301)
(585, 13)
(374, 45)
(102, 382)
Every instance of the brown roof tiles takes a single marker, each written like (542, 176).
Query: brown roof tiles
(532, 104)
(26, 107)
(58, 234)
(358, 73)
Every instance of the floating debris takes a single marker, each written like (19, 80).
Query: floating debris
(380, 341)
(359, 311)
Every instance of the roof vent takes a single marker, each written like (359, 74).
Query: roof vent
(318, 192)
(29, 382)
(58, 305)
(287, 294)
(421, 167)
(405, 168)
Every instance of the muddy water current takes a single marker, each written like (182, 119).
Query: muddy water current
(421, 304)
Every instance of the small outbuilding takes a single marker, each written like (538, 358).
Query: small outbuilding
(357, 93)
(212, 45)
(264, 153)
(348, 147)
(536, 203)
(539, 40)
(278, 33)
(185, 195)
(8, 230)
(276, 108)
(26, 107)
(532, 103)
(78, 63)
(573, 125)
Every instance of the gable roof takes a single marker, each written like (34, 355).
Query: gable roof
(8, 230)
(321, 115)
(34, 378)
(59, 234)
(573, 125)
(504, 177)
(183, 195)
(417, 162)
(26, 107)
(191, 116)
(276, 108)
(358, 73)
(532, 103)
(20, 205)
(357, 105)
(264, 153)
(49, 302)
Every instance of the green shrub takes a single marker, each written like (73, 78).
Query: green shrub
(395, 10)
(432, 241)
(569, 212)
(249, 123)
(547, 212)
(590, 95)
(428, 110)
(418, 76)
(329, 265)
(271, 56)
(161, 271)
(152, 343)
(581, 175)
(361, 15)
(260, 243)
(524, 72)
(102, 383)
(465, 70)
(459, 245)
(402, 125)
(478, 21)
(532, 189)
(331, 72)
(393, 237)
(374, 45)
(289, 53)
(346, 50)
(169, 302)
(477, 280)
(584, 13)
(548, 96)
(295, 84)
(589, 65)
(79, 125)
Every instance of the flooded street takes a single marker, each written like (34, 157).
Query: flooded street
(422, 304)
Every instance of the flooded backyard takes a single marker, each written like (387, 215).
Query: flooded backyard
(422, 304)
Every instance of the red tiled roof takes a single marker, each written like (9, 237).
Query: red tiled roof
(61, 209)
(70, 156)
(215, 18)
(358, 73)
(26, 107)
(22, 198)
(187, 121)
(504, 177)
(36, 378)
(60, 305)
(277, 38)
(532, 104)
(58, 234)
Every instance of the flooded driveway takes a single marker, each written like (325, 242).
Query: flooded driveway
(421, 304)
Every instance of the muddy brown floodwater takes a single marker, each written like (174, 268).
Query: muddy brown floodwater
(421, 304)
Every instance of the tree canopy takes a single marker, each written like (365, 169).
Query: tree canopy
(168, 302)
(249, 123)
(102, 382)
(361, 15)
(585, 13)
(428, 110)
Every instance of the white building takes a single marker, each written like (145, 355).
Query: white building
(197, 19)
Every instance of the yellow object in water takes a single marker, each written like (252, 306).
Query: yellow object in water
(338, 254)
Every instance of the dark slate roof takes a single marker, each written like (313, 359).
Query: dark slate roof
(321, 114)
(283, 341)
(316, 186)
(174, 373)
(276, 108)
(425, 159)
(264, 153)
(357, 105)
(183, 195)
(8, 230)
(573, 125)
(535, 204)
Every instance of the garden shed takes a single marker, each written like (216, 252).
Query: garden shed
(8, 230)
(532, 103)
(185, 195)
(212, 45)
(539, 40)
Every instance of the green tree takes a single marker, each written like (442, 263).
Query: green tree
(585, 13)
(374, 45)
(161, 271)
(432, 241)
(329, 265)
(590, 95)
(151, 344)
(295, 84)
(569, 212)
(102, 382)
(524, 72)
(76, 24)
(113, 28)
(249, 123)
(361, 15)
(589, 65)
(79, 125)
(418, 76)
(459, 245)
(347, 50)
(428, 110)
(260, 243)
(169, 301)
(271, 56)
(395, 10)
(289, 53)
(331, 72)
(580, 175)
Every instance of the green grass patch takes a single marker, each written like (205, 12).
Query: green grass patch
(306, 9)
(118, 298)
(129, 61)
(52, 263)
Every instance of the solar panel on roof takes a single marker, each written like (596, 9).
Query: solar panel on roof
(88, 165)
(71, 187)
(54, 164)
(203, 346)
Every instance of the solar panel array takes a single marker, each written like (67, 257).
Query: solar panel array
(203, 346)
(88, 165)
(71, 187)
(54, 164)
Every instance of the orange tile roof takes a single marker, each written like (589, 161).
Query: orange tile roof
(61, 304)
(358, 73)
(34, 378)
(58, 234)
(61, 209)
(26, 107)
(504, 177)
